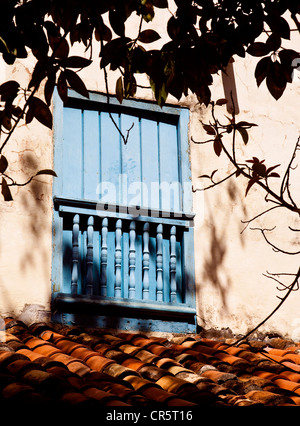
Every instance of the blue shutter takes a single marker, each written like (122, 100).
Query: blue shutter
(152, 170)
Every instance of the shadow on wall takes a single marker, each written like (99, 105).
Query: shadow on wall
(29, 212)
(220, 234)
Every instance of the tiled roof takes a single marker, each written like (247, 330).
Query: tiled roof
(68, 366)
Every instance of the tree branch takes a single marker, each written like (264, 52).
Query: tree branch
(275, 248)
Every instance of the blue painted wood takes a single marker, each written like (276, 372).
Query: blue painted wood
(111, 162)
(131, 161)
(75, 255)
(168, 162)
(71, 173)
(118, 260)
(132, 260)
(173, 285)
(150, 163)
(103, 274)
(89, 256)
(89, 151)
(146, 261)
(159, 263)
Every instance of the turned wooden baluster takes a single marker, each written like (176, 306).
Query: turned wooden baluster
(75, 255)
(132, 260)
(146, 261)
(103, 258)
(118, 259)
(89, 256)
(159, 264)
(173, 286)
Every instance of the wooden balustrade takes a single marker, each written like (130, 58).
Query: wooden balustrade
(119, 251)
(115, 255)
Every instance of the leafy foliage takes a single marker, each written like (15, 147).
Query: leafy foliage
(203, 36)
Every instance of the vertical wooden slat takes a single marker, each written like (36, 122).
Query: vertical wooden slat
(146, 261)
(150, 163)
(159, 264)
(89, 256)
(71, 173)
(118, 259)
(103, 259)
(132, 260)
(173, 286)
(111, 164)
(169, 169)
(91, 154)
(131, 163)
(75, 255)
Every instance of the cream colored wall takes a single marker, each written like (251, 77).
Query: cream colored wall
(25, 236)
(231, 289)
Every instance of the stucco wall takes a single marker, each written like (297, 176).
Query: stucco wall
(26, 224)
(232, 291)
(231, 288)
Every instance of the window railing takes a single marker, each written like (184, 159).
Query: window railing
(124, 254)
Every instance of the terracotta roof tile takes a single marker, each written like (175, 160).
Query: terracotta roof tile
(72, 366)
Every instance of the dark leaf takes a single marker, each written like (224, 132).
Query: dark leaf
(250, 184)
(148, 36)
(117, 23)
(9, 90)
(46, 172)
(75, 62)
(262, 69)
(289, 60)
(258, 49)
(76, 83)
(3, 164)
(274, 42)
(221, 102)
(173, 28)
(243, 132)
(209, 129)
(6, 122)
(38, 74)
(16, 111)
(119, 90)
(259, 169)
(274, 174)
(61, 49)
(6, 191)
(162, 4)
(217, 147)
(270, 169)
(254, 160)
(62, 87)
(49, 87)
(245, 124)
(41, 112)
(279, 26)
(103, 32)
(276, 80)
(29, 116)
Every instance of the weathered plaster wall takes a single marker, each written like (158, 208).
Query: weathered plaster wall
(231, 289)
(25, 235)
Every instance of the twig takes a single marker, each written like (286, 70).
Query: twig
(257, 216)
(291, 287)
(275, 248)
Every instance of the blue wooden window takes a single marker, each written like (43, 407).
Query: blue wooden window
(128, 205)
